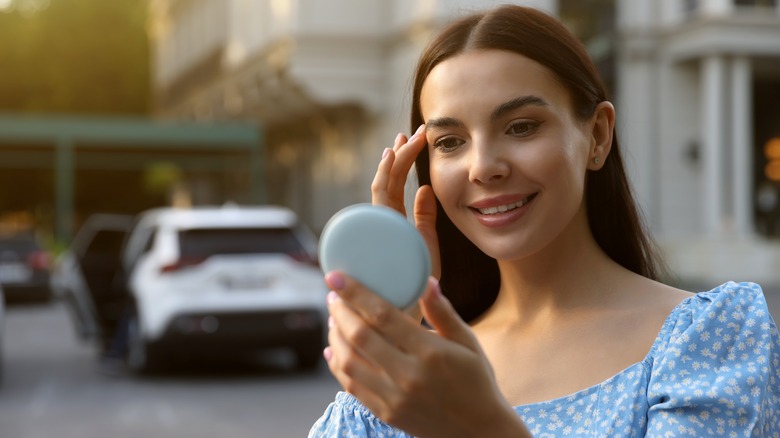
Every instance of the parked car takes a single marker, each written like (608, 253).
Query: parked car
(24, 268)
(87, 277)
(223, 281)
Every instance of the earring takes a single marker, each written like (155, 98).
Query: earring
(596, 160)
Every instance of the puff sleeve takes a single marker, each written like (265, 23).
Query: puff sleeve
(718, 373)
(346, 417)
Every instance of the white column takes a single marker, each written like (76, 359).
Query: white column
(638, 118)
(713, 77)
(716, 7)
(742, 144)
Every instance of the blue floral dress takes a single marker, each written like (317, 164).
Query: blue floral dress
(714, 370)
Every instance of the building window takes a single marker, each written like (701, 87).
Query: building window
(767, 157)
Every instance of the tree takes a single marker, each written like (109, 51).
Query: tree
(74, 56)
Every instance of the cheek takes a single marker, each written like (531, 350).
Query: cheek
(447, 182)
(439, 177)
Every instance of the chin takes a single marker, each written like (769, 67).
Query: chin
(504, 250)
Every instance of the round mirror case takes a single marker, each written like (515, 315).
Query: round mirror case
(378, 247)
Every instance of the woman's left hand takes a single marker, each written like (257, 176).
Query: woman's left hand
(428, 383)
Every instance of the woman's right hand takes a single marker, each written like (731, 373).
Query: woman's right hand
(388, 189)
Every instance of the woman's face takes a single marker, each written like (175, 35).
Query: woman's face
(508, 157)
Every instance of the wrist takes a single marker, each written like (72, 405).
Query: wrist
(504, 423)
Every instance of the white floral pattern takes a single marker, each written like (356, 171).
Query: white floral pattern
(714, 370)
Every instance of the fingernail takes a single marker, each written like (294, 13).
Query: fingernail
(436, 287)
(327, 353)
(331, 321)
(420, 128)
(385, 152)
(335, 280)
(332, 297)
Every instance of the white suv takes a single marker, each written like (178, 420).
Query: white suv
(222, 280)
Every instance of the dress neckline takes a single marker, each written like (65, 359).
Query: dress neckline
(645, 363)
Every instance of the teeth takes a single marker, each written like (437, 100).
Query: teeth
(504, 208)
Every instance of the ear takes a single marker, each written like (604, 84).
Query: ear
(602, 128)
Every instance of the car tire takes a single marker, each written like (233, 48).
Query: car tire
(142, 357)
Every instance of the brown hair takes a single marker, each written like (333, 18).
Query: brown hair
(470, 278)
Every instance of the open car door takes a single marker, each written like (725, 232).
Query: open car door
(89, 277)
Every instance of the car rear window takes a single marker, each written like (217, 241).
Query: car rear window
(205, 242)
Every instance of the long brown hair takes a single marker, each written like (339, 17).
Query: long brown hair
(470, 278)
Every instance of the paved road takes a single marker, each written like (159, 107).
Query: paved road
(52, 388)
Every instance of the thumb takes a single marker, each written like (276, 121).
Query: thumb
(443, 318)
(425, 221)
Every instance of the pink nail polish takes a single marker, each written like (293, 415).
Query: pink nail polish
(436, 287)
(385, 152)
(327, 353)
(335, 281)
(417, 133)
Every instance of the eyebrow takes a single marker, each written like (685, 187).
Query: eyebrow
(508, 106)
(516, 103)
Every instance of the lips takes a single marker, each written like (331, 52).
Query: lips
(501, 211)
(503, 208)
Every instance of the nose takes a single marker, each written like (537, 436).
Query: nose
(488, 165)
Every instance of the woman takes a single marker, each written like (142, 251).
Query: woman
(548, 320)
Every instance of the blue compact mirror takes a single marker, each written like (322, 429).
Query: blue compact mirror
(378, 247)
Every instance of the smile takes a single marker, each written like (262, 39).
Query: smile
(504, 208)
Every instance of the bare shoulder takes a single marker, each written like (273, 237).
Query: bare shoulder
(650, 294)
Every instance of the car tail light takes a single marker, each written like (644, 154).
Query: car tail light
(303, 257)
(39, 260)
(182, 263)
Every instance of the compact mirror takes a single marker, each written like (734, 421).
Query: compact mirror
(377, 246)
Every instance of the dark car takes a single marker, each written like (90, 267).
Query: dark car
(24, 268)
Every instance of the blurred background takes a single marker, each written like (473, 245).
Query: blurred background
(117, 107)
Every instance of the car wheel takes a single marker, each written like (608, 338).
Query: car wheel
(141, 357)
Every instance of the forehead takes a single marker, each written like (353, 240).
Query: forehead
(488, 77)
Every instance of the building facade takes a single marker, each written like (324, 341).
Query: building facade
(696, 85)
(329, 81)
(699, 107)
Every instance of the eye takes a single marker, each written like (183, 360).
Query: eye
(522, 128)
(447, 144)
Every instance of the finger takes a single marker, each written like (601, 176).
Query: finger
(364, 338)
(443, 318)
(379, 194)
(356, 374)
(425, 221)
(399, 141)
(397, 327)
(404, 158)
(379, 184)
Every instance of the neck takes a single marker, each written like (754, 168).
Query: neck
(569, 274)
